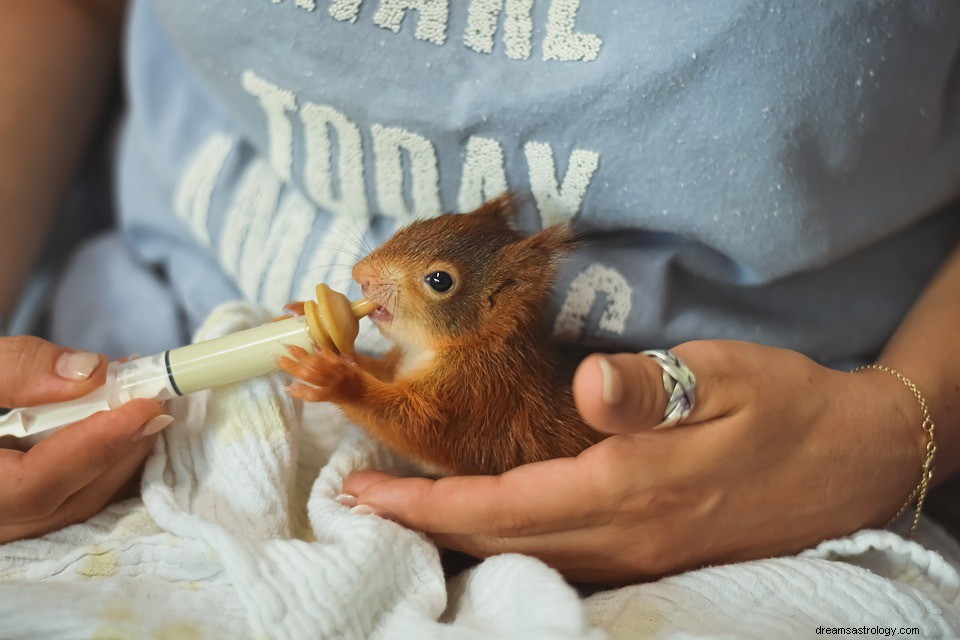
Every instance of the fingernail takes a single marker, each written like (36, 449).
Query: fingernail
(363, 510)
(77, 366)
(152, 426)
(612, 383)
(346, 500)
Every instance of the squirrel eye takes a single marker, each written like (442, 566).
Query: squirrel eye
(439, 281)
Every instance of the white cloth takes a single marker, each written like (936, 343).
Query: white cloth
(238, 535)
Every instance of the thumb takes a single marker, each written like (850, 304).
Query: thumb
(619, 393)
(624, 392)
(34, 371)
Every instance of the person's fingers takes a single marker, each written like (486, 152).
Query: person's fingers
(34, 371)
(357, 481)
(38, 481)
(619, 393)
(595, 554)
(534, 498)
(590, 547)
(88, 500)
(10, 442)
(624, 392)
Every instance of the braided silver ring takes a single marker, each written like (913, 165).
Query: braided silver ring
(680, 385)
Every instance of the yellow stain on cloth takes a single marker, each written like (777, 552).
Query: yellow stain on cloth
(177, 631)
(99, 562)
(119, 622)
(248, 410)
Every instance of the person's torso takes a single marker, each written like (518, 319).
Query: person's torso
(747, 170)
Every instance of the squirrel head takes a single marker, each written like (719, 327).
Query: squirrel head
(460, 276)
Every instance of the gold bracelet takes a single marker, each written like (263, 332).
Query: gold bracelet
(920, 492)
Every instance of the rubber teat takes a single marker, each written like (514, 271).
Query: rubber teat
(333, 321)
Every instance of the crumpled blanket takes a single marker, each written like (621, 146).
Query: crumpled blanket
(238, 535)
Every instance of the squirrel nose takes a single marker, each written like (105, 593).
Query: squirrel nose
(364, 282)
(361, 277)
(360, 274)
(368, 279)
(364, 277)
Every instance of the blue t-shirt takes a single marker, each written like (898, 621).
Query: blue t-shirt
(772, 172)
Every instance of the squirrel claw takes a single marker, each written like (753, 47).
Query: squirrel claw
(308, 393)
(294, 308)
(322, 369)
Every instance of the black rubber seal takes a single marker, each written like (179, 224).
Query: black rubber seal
(173, 383)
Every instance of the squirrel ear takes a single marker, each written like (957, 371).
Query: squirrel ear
(544, 249)
(503, 207)
(555, 241)
(531, 263)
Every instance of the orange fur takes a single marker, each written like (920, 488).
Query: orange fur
(474, 384)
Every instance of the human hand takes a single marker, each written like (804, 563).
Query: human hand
(72, 474)
(778, 454)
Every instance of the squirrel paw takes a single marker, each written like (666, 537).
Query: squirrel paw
(294, 308)
(322, 372)
(290, 309)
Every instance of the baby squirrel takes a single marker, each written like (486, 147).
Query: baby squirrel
(473, 384)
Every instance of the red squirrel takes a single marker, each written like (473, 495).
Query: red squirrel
(473, 384)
